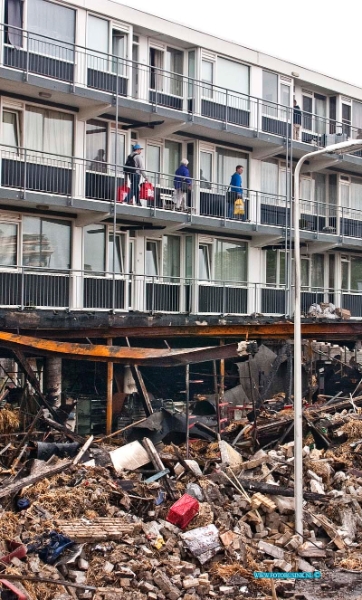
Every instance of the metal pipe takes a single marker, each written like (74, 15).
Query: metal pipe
(109, 407)
(298, 408)
(187, 411)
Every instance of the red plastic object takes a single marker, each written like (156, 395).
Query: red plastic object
(147, 191)
(122, 193)
(14, 589)
(183, 511)
(19, 552)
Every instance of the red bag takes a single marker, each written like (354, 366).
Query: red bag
(183, 511)
(147, 191)
(122, 193)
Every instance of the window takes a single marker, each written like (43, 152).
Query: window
(156, 75)
(205, 262)
(205, 169)
(8, 244)
(11, 131)
(174, 64)
(346, 119)
(121, 146)
(57, 23)
(96, 145)
(119, 52)
(46, 243)
(306, 195)
(356, 194)
(171, 159)
(357, 118)
(191, 71)
(275, 267)
(207, 77)
(153, 161)
(98, 43)
(116, 241)
(269, 181)
(312, 271)
(320, 103)
(171, 256)
(307, 112)
(14, 22)
(352, 273)
(226, 163)
(230, 261)
(189, 257)
(94, 248)
(270, 93)
(152, 258)
(48, 131)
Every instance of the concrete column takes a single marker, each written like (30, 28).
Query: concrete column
(53, 380)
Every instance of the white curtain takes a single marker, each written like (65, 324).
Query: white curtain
(227, 160)
(230, 261)
(234, 77)
(171, 256)
(49, 131)
(357, 116)
(98, 43)
(269, 182)
(57, 23)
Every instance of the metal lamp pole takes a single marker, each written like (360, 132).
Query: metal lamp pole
(341, 148)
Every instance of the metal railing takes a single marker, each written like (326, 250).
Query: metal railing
(29, 287)
(80, 66)
(35, 171)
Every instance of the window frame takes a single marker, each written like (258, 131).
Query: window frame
(18, 245)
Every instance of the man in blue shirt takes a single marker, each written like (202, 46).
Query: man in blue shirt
(235, 191)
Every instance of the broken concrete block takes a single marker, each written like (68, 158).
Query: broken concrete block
(309, 550)
(229, 457)
(284, 504)
(193, 466)
(316, 487)
(271, 550)
(283, 565)
(303, 565)
(163, 582)
(191, 582)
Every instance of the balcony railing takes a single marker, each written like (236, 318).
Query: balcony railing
(32, 287)
(76, 65)
(28, 170)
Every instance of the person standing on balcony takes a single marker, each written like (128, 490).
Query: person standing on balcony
(134, 168)
(235, 191)
(182, 184)
(297, 120)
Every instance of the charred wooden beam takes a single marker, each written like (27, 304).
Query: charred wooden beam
(102, 353)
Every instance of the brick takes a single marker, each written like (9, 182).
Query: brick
(271, 550)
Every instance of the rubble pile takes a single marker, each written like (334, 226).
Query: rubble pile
(163, 527)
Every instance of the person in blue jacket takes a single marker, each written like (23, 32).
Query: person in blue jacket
(235, 190)
(182, 183)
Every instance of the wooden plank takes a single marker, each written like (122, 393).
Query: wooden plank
(13, 488)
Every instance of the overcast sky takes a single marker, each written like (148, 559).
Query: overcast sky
(324, 35)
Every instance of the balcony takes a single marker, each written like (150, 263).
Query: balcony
(95, 182)
(44, 288)
(84, 69)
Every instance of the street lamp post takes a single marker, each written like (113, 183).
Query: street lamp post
(341, 148)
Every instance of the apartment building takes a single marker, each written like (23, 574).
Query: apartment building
(79, 87)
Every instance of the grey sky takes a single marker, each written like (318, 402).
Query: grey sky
(323, 35)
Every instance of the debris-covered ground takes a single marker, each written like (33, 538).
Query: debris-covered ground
(105, 523)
